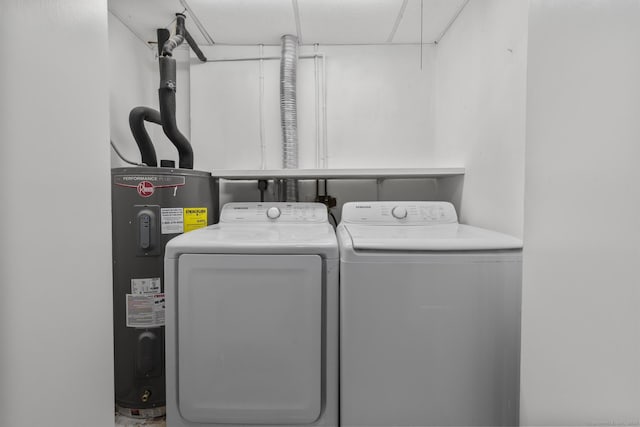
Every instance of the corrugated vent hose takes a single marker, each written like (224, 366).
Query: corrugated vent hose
(288, 112)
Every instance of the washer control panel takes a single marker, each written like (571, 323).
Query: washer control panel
(274, 212)
(410, 213)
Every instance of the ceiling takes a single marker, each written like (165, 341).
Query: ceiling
(326, 22)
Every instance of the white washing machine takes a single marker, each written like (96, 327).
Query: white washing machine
(252, 319)
(429, 318)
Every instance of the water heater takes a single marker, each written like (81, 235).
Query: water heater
(150, 205)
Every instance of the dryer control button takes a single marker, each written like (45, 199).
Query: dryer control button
(273, 212)
(399, 212)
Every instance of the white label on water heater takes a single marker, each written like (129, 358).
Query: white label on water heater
(172, 220)
(145, 311)
(145, 286)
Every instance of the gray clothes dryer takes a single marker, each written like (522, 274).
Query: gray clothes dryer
(252, 319)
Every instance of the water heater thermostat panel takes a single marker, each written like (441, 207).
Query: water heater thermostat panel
(394, 213)
(276, 212)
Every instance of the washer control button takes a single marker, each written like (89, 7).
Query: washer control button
(399, 212)
(273, 212)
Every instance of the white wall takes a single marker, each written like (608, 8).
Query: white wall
(379, 108)
(480, 110)
(581, 317)
(56, 347)
(132, 82)
(379, 114)
(464, 106)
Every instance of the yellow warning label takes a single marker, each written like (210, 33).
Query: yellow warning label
(194, 218)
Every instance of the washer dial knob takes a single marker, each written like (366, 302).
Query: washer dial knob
(399, 212)
(273, 212)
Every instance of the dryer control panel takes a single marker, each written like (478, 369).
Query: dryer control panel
(274, 212)
(394, 213)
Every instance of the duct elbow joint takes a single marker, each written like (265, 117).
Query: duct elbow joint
(177, 39)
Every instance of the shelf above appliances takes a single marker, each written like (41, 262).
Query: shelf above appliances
(312, 174)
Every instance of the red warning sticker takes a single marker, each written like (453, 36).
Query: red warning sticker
(145, 311)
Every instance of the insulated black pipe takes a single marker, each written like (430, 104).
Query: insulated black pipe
(194, 46)
(163, 35)
(167, 97)
(137, 117)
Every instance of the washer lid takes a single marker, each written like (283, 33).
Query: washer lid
(442, 237)
(416, 226)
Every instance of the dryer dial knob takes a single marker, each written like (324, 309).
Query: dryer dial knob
(399, 212)
(273, 212)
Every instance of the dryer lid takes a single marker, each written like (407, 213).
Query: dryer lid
(269, 228)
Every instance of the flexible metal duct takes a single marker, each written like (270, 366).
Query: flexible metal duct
(288, 111)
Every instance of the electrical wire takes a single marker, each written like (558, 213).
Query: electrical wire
(421, 30)
(317, 103)
(332, 216)
(263, 147)
(122, 157)
(262, 187)
(325, 154)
